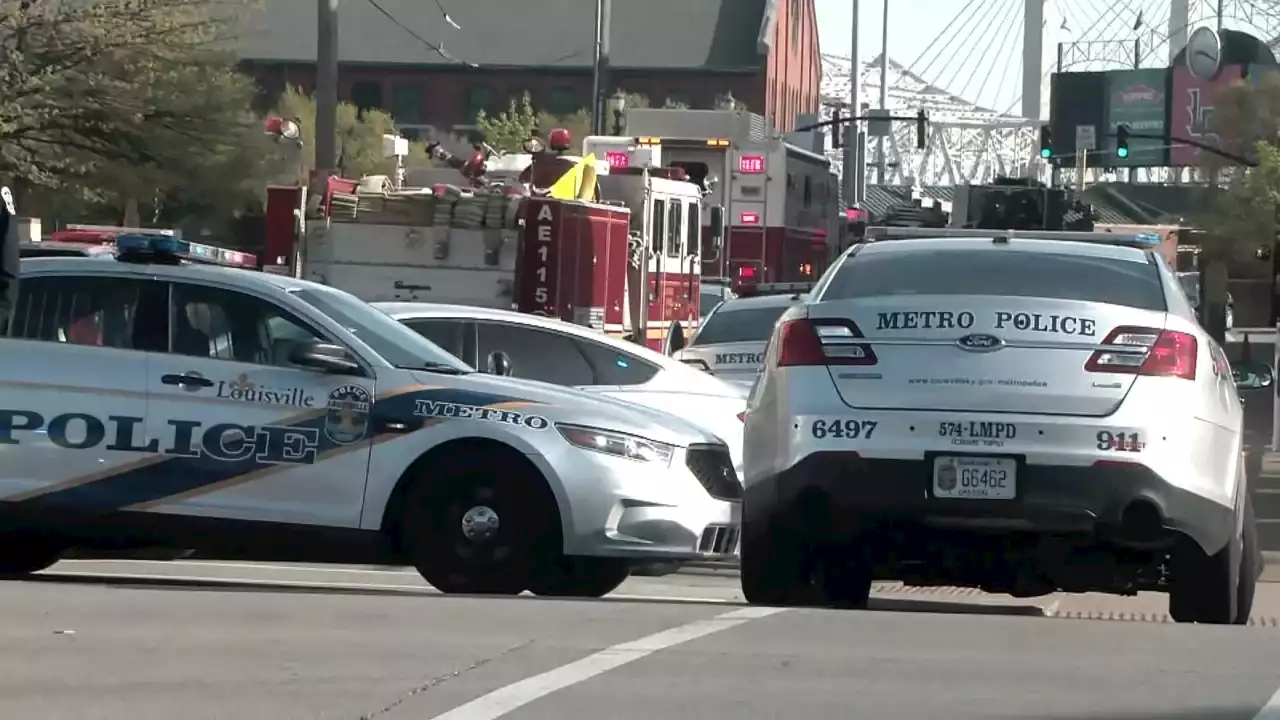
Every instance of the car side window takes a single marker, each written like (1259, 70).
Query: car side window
(448, 333)
(535, 354)
(96, 311)
(614, 367)
(227, 325)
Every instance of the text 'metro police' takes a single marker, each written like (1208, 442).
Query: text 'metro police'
(1049, 323)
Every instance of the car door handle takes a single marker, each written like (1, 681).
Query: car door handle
(186, 379)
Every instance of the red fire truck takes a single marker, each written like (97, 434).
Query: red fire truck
(782, 202)
(625, 261)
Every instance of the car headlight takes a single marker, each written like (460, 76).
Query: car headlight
(622, 445)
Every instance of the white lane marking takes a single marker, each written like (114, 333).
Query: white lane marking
(1270, 711)
(319, 584)
(514, 696)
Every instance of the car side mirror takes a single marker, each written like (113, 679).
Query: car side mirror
(675, 338)
(716, 213)
(323, 356)
(498, 363)
(1252, 375)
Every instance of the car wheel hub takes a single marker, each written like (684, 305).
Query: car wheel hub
(480, 524)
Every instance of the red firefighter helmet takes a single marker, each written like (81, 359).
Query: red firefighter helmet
(560, 140)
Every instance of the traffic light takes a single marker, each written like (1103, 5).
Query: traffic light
(1046, 142)
(922, 128)
(1122, 141)
(837, 128)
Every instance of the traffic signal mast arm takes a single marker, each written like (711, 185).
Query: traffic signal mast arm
(1123, 135)
(921, 119)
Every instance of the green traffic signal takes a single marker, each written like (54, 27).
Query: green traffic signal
(1122, 141)
(1046, 152)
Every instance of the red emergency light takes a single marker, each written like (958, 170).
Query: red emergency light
(749, 218)
(746, 272)
(617, 159)
(857, 215)
(751, 164)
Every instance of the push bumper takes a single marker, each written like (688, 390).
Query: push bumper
(844, 495)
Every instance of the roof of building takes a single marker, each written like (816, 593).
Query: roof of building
(647, 34)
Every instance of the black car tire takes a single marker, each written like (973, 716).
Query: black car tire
(23, 555)
(583, 577)
(774, 566)
(527, 538)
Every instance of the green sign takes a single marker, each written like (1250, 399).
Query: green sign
(1139, 99)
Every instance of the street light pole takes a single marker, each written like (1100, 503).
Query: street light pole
(853, 174)
(326, 90)
(600, 66)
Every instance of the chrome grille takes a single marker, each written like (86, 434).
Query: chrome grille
(714, 469)
(719, 540)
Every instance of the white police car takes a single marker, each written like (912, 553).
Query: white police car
(730, 341)
(153, 401)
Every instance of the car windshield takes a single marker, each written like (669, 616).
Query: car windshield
(1011, 274)
(746, 325)
(396, 343)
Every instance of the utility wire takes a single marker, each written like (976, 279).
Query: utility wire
(437, 48)
(1007, 40)
(960, 33)
(975, 46)
(946, 32)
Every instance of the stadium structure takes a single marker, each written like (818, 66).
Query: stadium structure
(985, 83)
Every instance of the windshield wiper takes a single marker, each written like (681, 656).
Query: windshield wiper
(435, 367)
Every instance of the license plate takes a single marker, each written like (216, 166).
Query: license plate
(975, 478)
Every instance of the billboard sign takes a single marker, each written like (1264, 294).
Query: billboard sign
(1139, 99)
(1191, 111)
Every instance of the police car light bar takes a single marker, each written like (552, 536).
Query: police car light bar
(1142, 241)
(167, 247)
(781, 288)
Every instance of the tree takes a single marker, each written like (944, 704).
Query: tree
(1242, 205)
(100, 80)
(507, 130)
(359, 138)
(115, 103)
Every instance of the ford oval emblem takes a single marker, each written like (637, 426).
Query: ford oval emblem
(979, 342)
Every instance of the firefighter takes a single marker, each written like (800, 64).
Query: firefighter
(472, 168)
(8, 258)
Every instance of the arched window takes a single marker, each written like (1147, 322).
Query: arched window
(564, 101)
(479, 97)
(366, 95)
(406, 104)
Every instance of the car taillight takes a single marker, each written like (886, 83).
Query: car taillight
(1147, 351)
(822, 342)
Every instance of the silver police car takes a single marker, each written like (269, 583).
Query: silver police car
(730, 341)
(1019, 412)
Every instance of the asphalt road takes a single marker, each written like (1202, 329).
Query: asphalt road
(108, 640)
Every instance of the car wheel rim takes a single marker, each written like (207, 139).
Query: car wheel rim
(481, 530)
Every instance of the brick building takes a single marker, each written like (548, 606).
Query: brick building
(765, 52)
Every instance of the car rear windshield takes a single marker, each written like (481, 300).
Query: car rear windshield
(1004, 272)
(730, 326)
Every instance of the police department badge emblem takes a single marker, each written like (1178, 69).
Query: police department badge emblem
(945, 476)
(347, 414)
